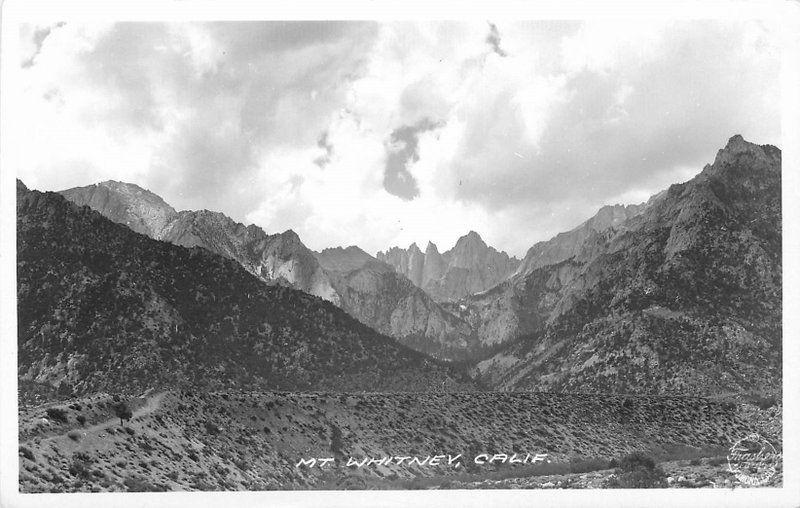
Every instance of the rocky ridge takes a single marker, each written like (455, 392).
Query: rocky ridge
(684, 296)
(279, 258)
(469, 267)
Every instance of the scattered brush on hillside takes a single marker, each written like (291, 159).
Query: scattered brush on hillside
(102, 308)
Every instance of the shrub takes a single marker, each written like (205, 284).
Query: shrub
(211, 427)
(130, 431)
(763, 402)
(57, 414)
(715, 461)
(27, 453)
(694, 462)
(336, 439)
(79, 467)
(81, 419)
(123, 411)
(636, 460)
(638, 471)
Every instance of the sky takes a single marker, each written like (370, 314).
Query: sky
(381, 134)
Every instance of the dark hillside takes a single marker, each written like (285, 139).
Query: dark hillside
(101, 307)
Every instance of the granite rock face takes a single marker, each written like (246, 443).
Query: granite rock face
(372, 292)
(469, 267)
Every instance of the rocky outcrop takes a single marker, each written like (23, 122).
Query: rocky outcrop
(469, 267)
(408, 262)
(279, 258)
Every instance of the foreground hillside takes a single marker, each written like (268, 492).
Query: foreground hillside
(254, 440)
(101, 307)
(682, 297)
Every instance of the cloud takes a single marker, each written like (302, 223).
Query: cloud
(401, 151)
(616, 124)
(322, 142)
(493, 40)
(34, 37)
(203, 101)
(381, 134)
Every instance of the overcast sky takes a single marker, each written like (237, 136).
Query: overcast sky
(384, 134)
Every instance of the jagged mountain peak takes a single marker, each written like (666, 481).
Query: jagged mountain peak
(471, 237)
(737, 147)
(431, 248)
(471, 266)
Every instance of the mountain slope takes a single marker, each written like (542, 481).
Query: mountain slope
(686, 296)
(469, 267)
(566, 245)
(350, 278)
(101, 307)
(272, 258)
(372, 292)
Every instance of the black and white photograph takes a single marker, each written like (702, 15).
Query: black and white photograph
(521, 255)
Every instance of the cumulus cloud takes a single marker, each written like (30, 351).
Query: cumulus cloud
(386, 134)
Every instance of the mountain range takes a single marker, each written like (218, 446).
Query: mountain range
(364, 287)
(678, 294)
(278, 257)
(405, 294)
(101, 307)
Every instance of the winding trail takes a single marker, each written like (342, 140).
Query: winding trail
(152, 403)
